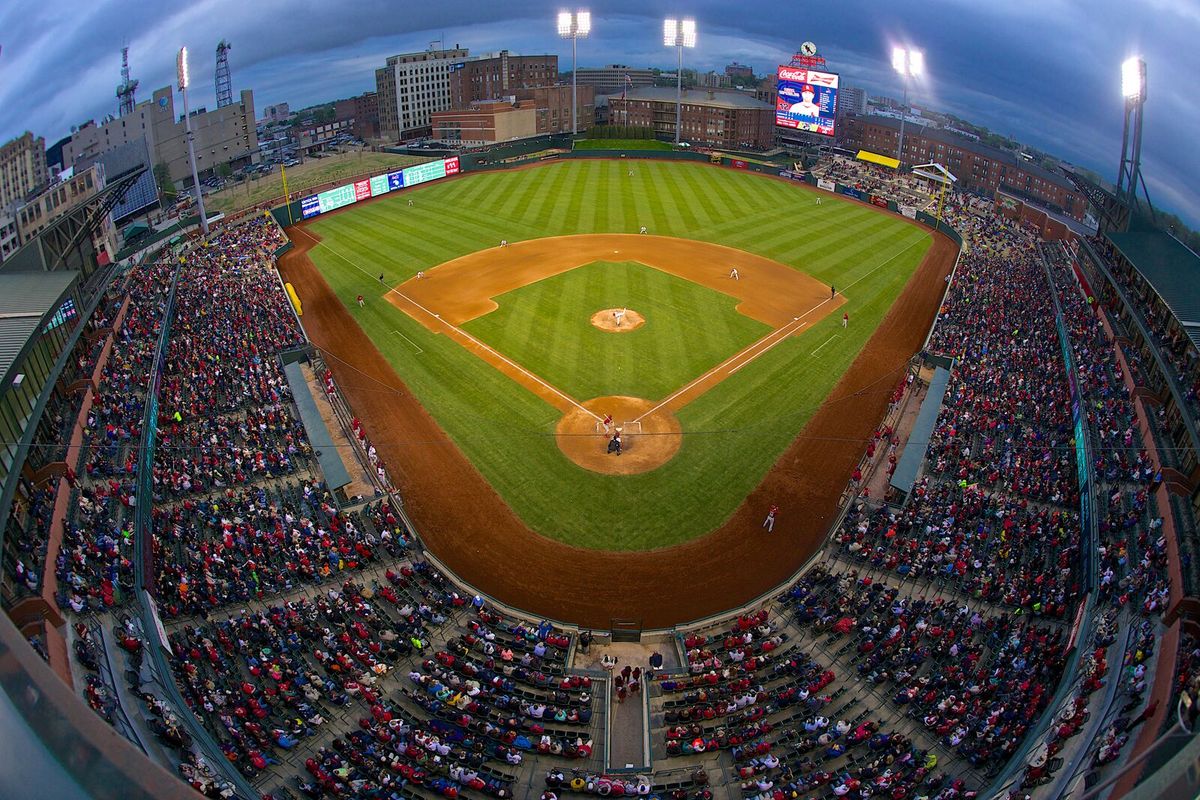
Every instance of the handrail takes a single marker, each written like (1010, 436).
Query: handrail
(143, 554)
(1090, 532)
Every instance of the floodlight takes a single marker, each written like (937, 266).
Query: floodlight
(916, 63)
(688, 29)
(670, 32)
(908, 62)
(574, 26)
(1133, 78)
(181, 68)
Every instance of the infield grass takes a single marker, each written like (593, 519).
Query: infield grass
(689, 329)
(732, 434)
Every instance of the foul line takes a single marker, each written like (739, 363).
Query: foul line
(458, 330)
(410, 341)
(748, 354)
(827, 341)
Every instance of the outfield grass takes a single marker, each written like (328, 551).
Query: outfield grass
(733, 433)
(689, 329)
(622, 144)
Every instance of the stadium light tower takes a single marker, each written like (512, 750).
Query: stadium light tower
(1133, 87)
(574, 27)
(910, 63)
(679, 34)
(181, 68)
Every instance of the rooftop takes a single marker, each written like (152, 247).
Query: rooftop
(1171, 269)
(696, 97)
(25, 298)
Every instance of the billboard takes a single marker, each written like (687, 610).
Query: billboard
(380, 185)
(806, 100)
(429, 171)
(310, 207)
(336, 198)
(374, 187)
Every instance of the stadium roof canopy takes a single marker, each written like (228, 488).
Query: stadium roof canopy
(875, 158)
(696, 97)
(1170, 268)
(25, 299)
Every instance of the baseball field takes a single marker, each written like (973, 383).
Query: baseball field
(484, 373)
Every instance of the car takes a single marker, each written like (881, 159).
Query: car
(291, 162)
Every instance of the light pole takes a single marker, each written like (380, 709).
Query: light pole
(574, 27)
(910, 63)
(181, 68)
(679, 34)
(1133, 88)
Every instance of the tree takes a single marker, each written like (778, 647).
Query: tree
(225, 170)
(162, 176)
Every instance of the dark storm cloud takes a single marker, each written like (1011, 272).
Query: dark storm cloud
(1043, 71)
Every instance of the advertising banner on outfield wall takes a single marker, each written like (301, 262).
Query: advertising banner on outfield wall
(827, 185)
(738, 163)
(909, 211)
(879, 201)
(850, 191)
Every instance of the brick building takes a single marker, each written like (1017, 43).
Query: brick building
(486, 122)
(362, 112)
(501, 75)
(553, 105)
(725, 119)
(979, 168)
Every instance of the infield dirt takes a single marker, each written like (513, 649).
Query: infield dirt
(466, 524)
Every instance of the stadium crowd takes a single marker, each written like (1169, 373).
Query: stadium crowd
(936, 630)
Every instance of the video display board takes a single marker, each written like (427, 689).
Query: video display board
(378, 185)
(806, 100)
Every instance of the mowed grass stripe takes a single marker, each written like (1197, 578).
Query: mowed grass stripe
(733, 433)
(677, 344)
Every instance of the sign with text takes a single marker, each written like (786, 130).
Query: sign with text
(806, 100)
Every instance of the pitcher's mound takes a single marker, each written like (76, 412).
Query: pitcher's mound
(606, 320)
(642, 450)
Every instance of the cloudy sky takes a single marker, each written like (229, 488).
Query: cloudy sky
(1046, 72)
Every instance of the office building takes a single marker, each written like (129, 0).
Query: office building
(411, 87)
(490, 77)
(22, 169)
(224, 136)
(614, 78)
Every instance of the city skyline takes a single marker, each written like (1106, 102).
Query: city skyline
(1035, 71)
